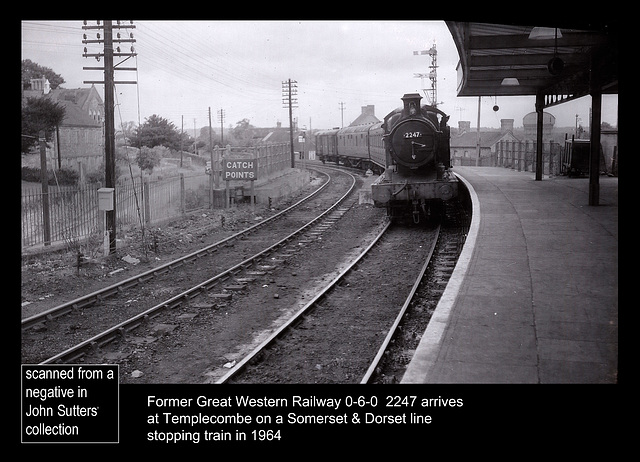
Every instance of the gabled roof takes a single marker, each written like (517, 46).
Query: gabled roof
(74, 116)
(365, 119)
(487, 139)
(276, 135)
(76, 102)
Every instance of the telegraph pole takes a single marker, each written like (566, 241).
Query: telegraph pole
(221, 119)
(289, 91)
(109, 132)
(214, 174)
(109, 107)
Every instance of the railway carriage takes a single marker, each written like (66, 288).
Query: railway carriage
(359, 146)
(376, 147)
(326, 149)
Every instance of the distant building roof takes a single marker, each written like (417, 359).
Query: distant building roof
(469, 138)
(487, 139)
(366, 117)
(83, 106)
(275, 135)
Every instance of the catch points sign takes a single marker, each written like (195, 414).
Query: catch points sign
(240, 169)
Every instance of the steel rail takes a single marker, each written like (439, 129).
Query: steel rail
(92, 297)
(308, 307)
(130, 324)
(401, 313)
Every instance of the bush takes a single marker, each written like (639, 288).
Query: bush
(148, 158)
(193, 200)
(64, 176)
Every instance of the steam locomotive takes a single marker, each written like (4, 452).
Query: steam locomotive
(411, 150)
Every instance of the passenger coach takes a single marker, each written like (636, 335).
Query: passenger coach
(358, 146)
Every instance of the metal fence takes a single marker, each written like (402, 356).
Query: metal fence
(73, 211)
(70, 214)
(521, 156)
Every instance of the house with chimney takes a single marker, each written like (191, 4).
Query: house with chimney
(78, 143)
(464, 146)
(367, 116)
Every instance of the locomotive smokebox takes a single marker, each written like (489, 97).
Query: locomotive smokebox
(413, 134)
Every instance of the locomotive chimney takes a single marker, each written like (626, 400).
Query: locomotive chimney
(411, 104)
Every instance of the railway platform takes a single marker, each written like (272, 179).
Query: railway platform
(534, 296)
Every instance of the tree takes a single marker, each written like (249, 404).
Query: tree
(126, 132)
(31, 70)
(243, 131)
(204, 138)
(148, 158)
(156, 131)
(39, 114)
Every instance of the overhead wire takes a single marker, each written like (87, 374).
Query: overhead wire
(198, 51)
(191, 64)
(153, 51)
(240, 87)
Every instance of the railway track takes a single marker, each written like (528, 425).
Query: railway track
(93, 297)
(361, 351)
(90, 309)
(419, 307)
(363, 326)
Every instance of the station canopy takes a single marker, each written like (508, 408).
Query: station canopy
(516, 60)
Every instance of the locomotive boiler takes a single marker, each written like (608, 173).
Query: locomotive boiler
(417, 179)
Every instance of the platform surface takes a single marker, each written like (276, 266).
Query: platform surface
(534, 297)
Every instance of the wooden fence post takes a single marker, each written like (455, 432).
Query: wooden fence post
(519, 156)
(44, 178)
(183, 208)
(147, 206)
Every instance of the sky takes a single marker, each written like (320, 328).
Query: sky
(185, 68)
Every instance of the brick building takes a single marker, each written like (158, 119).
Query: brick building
(464, 146)
(79, 140)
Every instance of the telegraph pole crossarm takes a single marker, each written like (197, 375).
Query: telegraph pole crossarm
(289, 90)
(108, 53)
(341, 114)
